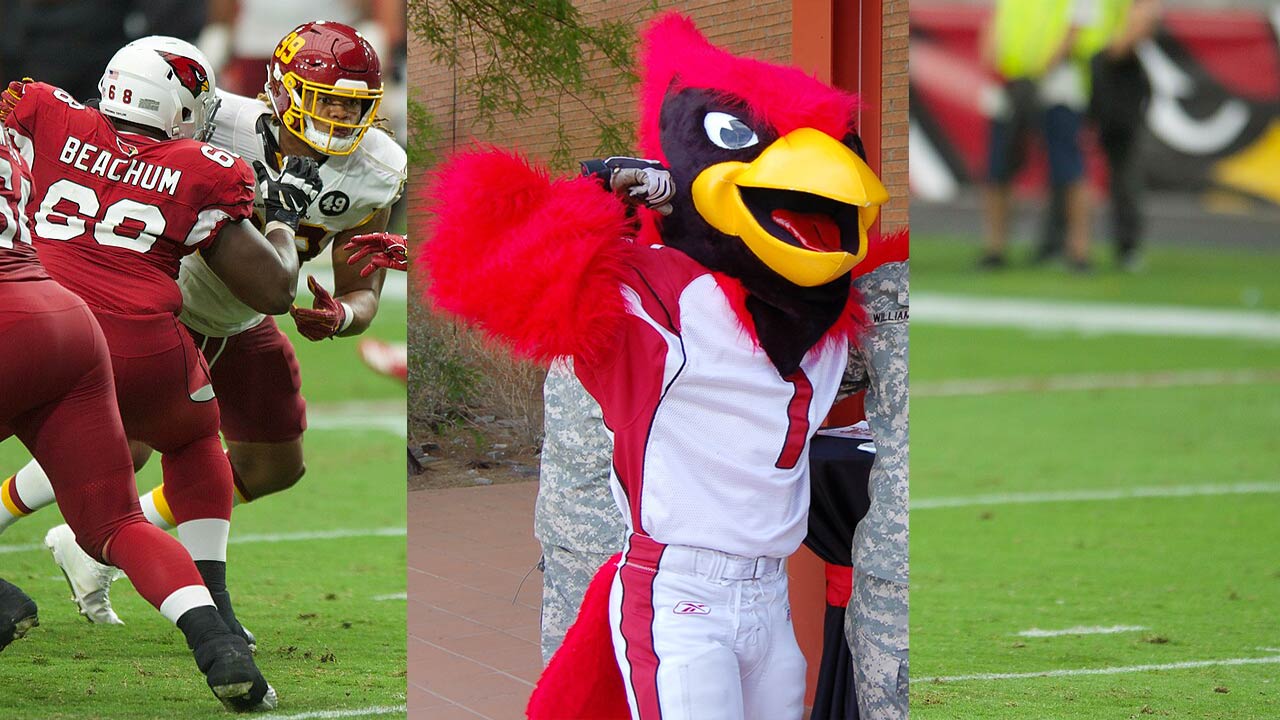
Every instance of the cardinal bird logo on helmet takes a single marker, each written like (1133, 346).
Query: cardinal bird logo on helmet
(190, 73)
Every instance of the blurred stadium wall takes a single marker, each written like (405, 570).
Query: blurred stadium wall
(1214, 117)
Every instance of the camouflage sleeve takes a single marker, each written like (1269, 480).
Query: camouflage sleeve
(855, 374)
(877, 628)
(575, 507)
(880, 541)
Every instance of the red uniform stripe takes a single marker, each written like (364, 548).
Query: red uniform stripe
(637, 575)
(797, 421)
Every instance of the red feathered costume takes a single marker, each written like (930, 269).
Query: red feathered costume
(714, 343)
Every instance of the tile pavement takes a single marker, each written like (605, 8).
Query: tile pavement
(474, 596)
(473, 602)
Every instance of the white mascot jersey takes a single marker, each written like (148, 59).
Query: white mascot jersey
(356, 186)
(711, 445)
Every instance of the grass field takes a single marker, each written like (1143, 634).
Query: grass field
(328, 611)
(1122, 487)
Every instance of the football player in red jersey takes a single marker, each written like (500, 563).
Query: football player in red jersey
(121, 194)
(57, 396)
(323, 98)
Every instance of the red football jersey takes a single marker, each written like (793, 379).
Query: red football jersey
(17, 257)
(113, 212)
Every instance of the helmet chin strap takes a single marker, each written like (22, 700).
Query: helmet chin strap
(327, 142)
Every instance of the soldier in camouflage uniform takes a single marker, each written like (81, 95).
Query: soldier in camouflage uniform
(576, 518)
(876, 624)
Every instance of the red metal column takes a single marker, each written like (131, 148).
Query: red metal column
(839, 42)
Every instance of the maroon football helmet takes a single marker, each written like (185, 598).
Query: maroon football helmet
(325, 85)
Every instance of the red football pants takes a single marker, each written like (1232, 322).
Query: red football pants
(166, 400)
(56, 395)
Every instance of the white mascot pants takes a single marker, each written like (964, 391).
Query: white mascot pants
(704, 635)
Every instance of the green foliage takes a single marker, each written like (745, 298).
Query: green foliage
(442, 378)
(511, 59)
(457, 376)
(423, 135)
(516, 57)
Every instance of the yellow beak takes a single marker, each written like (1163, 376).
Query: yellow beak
(803, 161)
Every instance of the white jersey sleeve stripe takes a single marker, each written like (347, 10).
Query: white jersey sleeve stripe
(635, 306)
(206, 222)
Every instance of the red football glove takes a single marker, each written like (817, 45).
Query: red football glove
(384, 250)
(325, 317)
(11, 95)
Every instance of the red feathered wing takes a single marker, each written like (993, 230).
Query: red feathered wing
(582, 681)
(534, 260)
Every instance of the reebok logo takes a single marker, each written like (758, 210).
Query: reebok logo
(684, 607)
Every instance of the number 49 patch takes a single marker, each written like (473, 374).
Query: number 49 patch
(334, 202)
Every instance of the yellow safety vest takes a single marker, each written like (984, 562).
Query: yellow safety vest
(1028, 32)
(1108, 23)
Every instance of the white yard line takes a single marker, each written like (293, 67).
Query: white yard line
(1093, 317)
(393, 424)
(385, 415)
(318, 535)
(1102, 671)
(1111, 381)
(392, 596)
(1159, 491)
(324, 714)
(267, 537)
(1081, 630)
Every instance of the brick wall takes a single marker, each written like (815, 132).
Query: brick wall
(756, 27)
(761, 28)
(894, 112)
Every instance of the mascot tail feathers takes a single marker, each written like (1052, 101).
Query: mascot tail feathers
(582, 681)
(533, 260)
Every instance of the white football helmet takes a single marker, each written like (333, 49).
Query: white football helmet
(163, 83)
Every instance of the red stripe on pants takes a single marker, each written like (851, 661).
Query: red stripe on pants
(637, 576)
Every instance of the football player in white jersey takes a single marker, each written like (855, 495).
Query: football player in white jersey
(323, 93)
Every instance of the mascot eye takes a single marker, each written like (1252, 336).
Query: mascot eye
(728, 132)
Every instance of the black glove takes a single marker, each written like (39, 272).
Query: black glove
(286, 198)
(637, 181)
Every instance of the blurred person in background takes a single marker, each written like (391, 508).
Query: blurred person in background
(240, 36)
(66, 43)
(1117, 105)
(1030, 46)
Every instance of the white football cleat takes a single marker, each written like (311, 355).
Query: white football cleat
(266, 704)
(89, 579)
